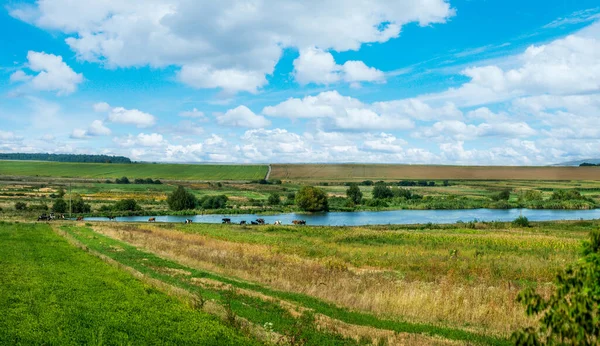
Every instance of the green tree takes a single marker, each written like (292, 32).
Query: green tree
(61, 193)
(354, 194)
(503, 195)
(571, 315)
(126, 205)
(213, 202)
(274, 199)
(79, 206)
(20, 206)
(311, 198)
(381, 191)
(60, 206)
(181, 199)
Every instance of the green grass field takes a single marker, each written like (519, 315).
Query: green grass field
(55, 294)
(132, 171)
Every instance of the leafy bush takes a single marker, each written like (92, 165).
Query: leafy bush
(144, 181)
(521, 221)
(310, 198)
(381, 191)
(60, 206)
(376, 203)
(503, 195)
(354, 194)
(274, 199)
(123, 180)
(213, 202)
(571, 315)
(20, 206)
(181, 199)
(79, 206)
(126, 205)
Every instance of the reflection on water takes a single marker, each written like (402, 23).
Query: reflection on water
(401, 217)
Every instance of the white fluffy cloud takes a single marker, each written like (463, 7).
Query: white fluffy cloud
(565, 66)
(317, 66)
(228, 44)
(53, 74)
(122, 115)
(242, 116)
(348, 113)
(150, 140)
(96, 128)
(462, 131)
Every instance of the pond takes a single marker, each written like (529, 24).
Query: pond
(399, 217)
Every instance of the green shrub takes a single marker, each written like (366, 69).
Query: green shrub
(521, 221)
(60, 206)
(126, 205)
(354, 194)
(181, 199)
(20, 206)
(274, 199)
(310, 198)
(213, 202)
(571, 315)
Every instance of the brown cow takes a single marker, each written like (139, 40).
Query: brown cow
(80, 218)
(299, 222)
(152, 219)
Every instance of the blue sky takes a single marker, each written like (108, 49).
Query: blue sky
(443, 82)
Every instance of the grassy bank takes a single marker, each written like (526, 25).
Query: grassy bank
(286, 311)
(462, 277)
(55, 294)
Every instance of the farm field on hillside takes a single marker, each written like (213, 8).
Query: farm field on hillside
(55, 294)
(357, 172)
(136, 170)
(464, 277)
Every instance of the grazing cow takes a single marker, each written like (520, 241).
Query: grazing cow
(152, 219)
(188, 221)
(43, 217)
(61, 216)
(260, 221)
(299, 222)
(242, 223)
(80, 218)
(111, 218)
(277, 223)
(254, 222)
(51, 217)
(226, 220)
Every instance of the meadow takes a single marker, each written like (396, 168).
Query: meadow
(358, 172)
(55, 294)
(103, 171)
(456, 282)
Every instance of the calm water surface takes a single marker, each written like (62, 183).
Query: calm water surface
(400, 217)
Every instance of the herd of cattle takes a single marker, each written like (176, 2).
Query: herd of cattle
(226, 220)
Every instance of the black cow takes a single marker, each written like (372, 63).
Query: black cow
(111, 218)
(242, 222)
(260, 221)
(188, 221)
(254, 222)
(226, 220)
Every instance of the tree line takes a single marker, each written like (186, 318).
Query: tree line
(65, 158)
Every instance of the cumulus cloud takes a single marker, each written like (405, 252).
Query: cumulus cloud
(150, 140)
(229, 45)
(462, 131)
(317, 66)
(97, 128)
(343, 112)
(570, 65)
(242, 116)
(122, 115)
(53, 74)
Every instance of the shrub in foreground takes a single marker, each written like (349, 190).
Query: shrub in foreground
(571, 315)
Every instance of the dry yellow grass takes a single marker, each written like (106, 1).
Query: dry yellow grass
(478, 307)
(356, 172)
